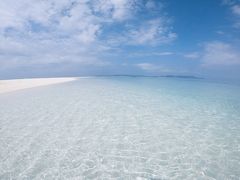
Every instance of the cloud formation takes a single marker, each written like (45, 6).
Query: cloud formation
(220, 54)
(152, 68)
(192, 55)
(75, 31)
(153, 31)
(234, 6)
(236, 9)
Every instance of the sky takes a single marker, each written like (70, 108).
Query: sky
(48, 38)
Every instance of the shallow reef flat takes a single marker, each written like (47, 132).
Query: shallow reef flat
(121, 128)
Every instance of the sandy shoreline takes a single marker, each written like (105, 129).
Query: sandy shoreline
(18, 84)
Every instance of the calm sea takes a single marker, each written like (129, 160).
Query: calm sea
(122, 128)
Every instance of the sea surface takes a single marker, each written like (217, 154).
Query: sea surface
(122, 128)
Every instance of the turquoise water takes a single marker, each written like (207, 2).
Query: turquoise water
(121, 128)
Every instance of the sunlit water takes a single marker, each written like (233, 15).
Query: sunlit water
(121, 128)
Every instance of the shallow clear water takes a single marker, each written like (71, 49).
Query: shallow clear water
(121, 128)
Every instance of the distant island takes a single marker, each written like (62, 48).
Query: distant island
(182, 76)
(155, 76)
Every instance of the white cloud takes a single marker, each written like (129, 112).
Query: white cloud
(236, 12)
(228, 2)
(220, 54)
(151, 4)
(115, 9)
(167, 53)
(153, 68)
(18, 53)
(234, 6)
(147, 66)
(151, 32)
(236, 9)
(219, 32)
(34, 32)
(192, 55)
(74, 18)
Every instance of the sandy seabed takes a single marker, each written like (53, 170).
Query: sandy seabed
(121, 128)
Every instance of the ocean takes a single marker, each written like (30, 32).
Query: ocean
(122, 128)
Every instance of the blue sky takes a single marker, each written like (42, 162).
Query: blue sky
(43, 38)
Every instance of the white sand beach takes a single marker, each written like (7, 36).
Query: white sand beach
(18, 84)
